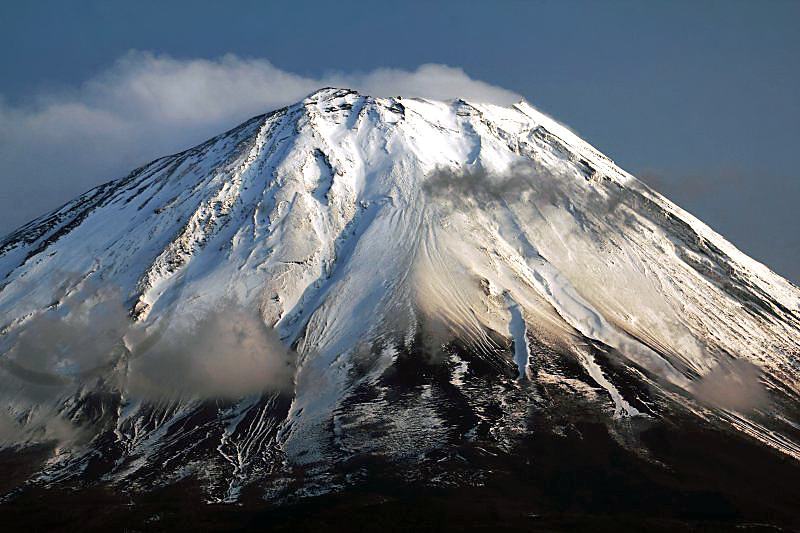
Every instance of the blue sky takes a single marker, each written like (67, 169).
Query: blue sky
(698, 98)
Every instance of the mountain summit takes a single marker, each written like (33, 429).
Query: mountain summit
(391, 280)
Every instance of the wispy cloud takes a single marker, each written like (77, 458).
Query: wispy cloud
(734, 385)
(56, 145)
(89, 340)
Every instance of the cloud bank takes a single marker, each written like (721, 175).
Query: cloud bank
(56, 145)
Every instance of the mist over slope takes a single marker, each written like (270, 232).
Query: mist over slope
(353, 277)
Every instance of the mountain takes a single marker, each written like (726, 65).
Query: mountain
(355, 285)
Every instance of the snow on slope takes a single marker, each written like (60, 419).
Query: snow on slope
(354, 224)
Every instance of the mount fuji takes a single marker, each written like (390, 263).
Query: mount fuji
(432, 294)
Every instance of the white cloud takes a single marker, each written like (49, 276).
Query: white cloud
(439, 82)
(146, 105)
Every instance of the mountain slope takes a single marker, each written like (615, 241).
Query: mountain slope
(441, 271)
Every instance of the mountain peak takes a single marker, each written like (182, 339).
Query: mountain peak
(330, 93)
(440, 270)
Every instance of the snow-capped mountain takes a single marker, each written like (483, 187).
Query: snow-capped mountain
(354, 277)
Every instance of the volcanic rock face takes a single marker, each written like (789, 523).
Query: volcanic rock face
(395, 280)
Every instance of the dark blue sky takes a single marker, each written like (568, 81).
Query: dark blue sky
(698, 98)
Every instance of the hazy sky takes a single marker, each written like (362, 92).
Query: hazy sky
(698, 98)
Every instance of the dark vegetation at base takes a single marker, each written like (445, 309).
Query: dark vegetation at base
(715, 482)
